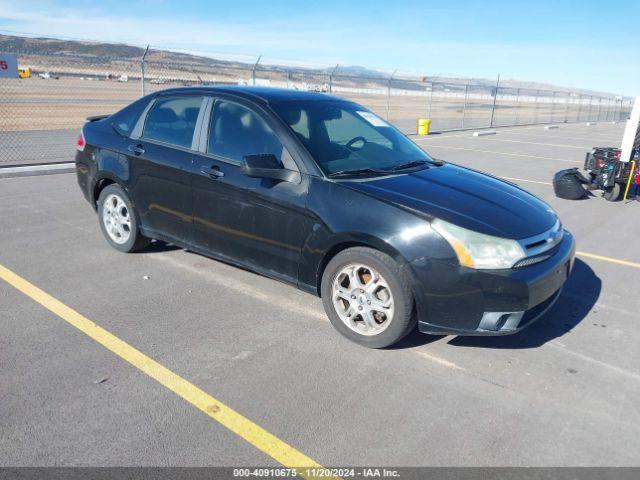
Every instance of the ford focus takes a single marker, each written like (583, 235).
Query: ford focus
(321, 193)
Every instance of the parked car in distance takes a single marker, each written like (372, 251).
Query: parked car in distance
(321, 193)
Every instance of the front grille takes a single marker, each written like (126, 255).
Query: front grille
(539, 247)
(525, 262)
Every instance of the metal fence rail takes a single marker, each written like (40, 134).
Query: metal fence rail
(40, 116)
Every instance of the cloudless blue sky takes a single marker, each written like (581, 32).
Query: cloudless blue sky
(586, 44)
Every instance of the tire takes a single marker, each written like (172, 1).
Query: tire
(381, 312)
(118, 220)
(613, 193)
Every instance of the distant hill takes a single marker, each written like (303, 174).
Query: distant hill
(71, 55)
(51, 46)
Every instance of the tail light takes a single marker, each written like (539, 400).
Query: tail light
(80, 143)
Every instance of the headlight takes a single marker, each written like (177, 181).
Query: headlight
(476, 250)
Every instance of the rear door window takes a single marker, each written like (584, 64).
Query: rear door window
(173, 120)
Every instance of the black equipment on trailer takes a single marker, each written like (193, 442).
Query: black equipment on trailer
(607, 172)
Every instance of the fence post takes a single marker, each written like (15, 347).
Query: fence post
(619, 115)
(566, 109)
(589, 118)
(464, 105)
(253, 71)
(430, 101)
(518, 106)
(579, 108)
(536, 111)
(612, 109)
(144, 55)
(495, 98)
(389, 93)
(552, 117)
(333, 72)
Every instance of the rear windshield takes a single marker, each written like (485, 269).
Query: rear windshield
(345, 136)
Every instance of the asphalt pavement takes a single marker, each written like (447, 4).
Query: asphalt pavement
(561, 393)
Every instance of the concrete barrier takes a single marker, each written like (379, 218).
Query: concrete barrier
(31, 170)
(484, 132)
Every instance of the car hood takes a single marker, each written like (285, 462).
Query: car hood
(466, 198)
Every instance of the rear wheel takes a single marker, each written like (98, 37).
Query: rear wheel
(367, 297)
(118, 221)
(613, 194)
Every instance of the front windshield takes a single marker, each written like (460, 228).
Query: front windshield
(347, 140)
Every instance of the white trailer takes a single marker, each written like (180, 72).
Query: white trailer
(631, 138)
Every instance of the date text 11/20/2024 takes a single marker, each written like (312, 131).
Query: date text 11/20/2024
(363, 472)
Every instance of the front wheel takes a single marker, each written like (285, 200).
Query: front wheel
(118, 220)
(613, 194)
(367, 297)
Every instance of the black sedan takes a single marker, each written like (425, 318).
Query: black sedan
(321, 193)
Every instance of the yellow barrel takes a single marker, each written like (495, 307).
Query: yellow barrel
(424, 124)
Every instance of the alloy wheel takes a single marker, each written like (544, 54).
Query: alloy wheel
(116, 219)
(362, 299)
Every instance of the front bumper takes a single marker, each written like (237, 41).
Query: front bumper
(455, 300)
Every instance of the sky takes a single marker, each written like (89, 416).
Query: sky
(581, 44)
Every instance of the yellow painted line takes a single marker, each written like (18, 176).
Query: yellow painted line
(218, 411)
(626, 263)
(501, 153)
(525, 180)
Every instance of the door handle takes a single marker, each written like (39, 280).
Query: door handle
(136, 149)
(213, 172)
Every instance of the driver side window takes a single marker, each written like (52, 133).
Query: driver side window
(236, 131)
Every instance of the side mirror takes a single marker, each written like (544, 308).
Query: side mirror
(266, 166)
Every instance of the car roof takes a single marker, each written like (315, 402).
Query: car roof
(265, 94)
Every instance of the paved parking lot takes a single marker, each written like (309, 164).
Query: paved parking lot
(563, 392)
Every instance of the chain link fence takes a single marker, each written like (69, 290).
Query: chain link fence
(40, 115)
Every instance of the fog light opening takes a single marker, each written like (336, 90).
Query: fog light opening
(502, 320)
(496, 321)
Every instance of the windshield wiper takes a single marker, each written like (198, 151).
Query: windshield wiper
(357, 171)
(408, 165)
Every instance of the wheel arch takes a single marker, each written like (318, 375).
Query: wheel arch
(103, 181)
